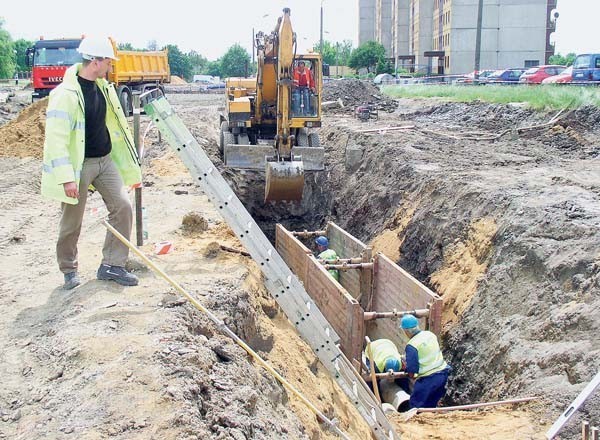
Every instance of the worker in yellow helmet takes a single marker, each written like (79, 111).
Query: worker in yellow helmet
(88, 142)
(385, 355)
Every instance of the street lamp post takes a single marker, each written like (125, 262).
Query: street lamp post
(478, 41)
(321, 45)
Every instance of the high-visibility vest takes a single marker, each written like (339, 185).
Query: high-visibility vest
(305, 77)
(430, 356)
(329, 254)
(382, 350)
(64, 144)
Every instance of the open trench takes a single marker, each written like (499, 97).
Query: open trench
(506, 231)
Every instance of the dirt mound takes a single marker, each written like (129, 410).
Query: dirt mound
(492, 424)
(354, 92)
(176, 80)
(24, 136)
(193, 223)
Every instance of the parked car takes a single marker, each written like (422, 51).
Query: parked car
(505, 76)
(383, 78)
(217, 85)
(536, 75)
(586, 67)
(564, 77)
(470, 77)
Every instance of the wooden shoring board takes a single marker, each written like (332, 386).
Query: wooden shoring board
(340, 309)
(397, 289)
(281, 283)
(347, 246)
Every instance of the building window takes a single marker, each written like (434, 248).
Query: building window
(532, 63)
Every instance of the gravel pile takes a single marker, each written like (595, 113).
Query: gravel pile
(354, 92)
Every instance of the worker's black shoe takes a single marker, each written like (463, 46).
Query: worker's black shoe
(72, 280)
(117, 274)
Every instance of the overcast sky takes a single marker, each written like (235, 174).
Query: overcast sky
(210, 27)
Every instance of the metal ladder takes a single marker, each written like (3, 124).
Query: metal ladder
(281, 283)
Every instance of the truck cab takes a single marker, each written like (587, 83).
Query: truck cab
(586, 68)
(49, 60)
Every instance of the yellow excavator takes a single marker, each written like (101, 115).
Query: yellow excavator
(268, 120)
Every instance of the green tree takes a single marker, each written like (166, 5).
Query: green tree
(367, 55)
(213, 68)
(179, 63)
(197, 61)
(235, 62)
(560, 60)
(20, 50)
(344, 52)
(335, 54)
(152, 45)
(125, 46)
(384, 66)
(7, 54)
(329, 53)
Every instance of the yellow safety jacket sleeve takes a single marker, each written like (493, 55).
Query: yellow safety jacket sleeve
(59, 126)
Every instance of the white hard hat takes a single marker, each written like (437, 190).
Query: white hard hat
(93, 47)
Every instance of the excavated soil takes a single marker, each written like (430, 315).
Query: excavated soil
(352, 93)
(23, 136)
(507, 231)
(103, 361)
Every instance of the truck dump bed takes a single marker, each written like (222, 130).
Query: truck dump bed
(140, 67)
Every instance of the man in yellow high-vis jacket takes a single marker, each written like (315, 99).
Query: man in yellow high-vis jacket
(327, 254)
(88, 142)
(425, 363)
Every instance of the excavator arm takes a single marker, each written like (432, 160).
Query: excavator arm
(262, 131)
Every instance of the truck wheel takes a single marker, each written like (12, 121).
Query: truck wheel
(313, 140)
(228, 139)
(125, 99)
(243, 139)
(302, 138)
(224, 127)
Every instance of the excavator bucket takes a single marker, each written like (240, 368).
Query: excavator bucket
(255, 157)
(285, 180)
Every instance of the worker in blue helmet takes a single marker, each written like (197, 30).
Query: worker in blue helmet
(327, 254)
(425, 363)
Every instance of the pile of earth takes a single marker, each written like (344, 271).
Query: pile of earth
(24, 135)
(177, 80)
(11, 104)
(353, 93)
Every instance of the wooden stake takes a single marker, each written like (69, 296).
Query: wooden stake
(585, 430)
(372, 369)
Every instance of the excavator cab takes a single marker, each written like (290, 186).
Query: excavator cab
(269, 119)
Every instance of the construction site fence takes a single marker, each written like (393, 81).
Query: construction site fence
(460, 80)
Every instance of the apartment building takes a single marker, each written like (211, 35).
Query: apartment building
(515, 33)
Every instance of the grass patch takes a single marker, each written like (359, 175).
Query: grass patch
(545, 97)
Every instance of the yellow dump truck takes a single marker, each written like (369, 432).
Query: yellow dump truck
(139, 71)
(135, 70)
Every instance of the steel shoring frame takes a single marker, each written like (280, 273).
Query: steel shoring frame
(281, 283)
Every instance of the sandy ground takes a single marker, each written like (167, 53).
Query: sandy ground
(103, 361)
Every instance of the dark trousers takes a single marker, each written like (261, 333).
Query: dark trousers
(428, 390)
